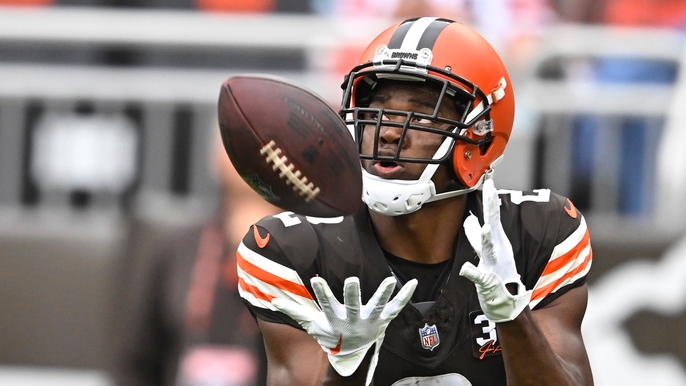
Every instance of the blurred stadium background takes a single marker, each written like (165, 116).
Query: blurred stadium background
(107, 112)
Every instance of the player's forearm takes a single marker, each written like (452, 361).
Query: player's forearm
(529, 358)
(308, 372)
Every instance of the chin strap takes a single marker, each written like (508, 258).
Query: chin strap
(398, 197)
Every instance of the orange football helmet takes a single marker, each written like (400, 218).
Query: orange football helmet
(467, 69)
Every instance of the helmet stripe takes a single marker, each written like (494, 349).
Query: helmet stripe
(431, 34)
(399, 34)
(416, 34)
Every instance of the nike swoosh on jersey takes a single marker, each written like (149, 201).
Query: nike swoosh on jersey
(570, 260)
(263, 241)
(571, 211)
(337, 349)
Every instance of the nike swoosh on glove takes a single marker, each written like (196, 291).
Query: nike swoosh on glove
(347, 331)
(496, 265)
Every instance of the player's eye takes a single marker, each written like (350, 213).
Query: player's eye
(384, 117)
(370, 116)
(421, 120)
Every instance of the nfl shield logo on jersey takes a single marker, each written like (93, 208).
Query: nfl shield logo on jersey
(429, 336)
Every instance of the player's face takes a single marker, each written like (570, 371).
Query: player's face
(404, 96)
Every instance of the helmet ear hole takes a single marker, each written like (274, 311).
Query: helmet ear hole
(467, 162)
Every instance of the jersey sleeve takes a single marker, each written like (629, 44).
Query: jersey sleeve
(567, 268)
(266, 270)
(562, 250)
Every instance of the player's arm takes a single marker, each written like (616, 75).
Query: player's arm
(351, 331)
(265, 273)
(293, 356)
(344, 332)
(545, 346)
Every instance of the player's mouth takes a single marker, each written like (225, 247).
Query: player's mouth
(386, 169)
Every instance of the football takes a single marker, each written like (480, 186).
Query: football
(290, 146)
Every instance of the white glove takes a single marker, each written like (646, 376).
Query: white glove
(347, 331)
(496, 266)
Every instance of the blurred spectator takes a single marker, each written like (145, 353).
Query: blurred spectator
(627, 13)
(180, 319)
(219, 6)
(253, 6)
(635, 180)
(246, 6)
(25, 2)
(509, 25)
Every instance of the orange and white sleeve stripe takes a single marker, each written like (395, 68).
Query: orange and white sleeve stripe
(570, 260)
(260, 280)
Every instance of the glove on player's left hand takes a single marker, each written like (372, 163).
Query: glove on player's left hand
(347, 331)
(496, 266)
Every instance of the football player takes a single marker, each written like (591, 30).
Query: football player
(440, 279)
